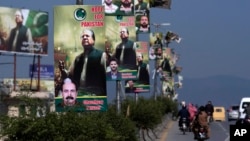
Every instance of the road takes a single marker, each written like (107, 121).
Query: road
(219, 132)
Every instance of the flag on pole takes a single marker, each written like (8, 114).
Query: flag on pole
(161, 3)
(170, 36)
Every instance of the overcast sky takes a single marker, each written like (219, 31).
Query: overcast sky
(215, 35)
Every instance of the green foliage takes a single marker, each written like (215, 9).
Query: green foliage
(91, 126)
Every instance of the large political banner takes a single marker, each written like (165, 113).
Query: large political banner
(23, 31)
(120, 45)
(142, 82)
(142, 13)
(79, 55)
(119, 7)
(165, 4)
(156, 45)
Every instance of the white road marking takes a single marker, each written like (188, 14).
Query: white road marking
(225, 130)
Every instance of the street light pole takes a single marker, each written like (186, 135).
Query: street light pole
(79, 2)
(157, 26)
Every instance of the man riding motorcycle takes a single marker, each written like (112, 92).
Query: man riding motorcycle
(183, 113)
(209, 110)
(201, 121)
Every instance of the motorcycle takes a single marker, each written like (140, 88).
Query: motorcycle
(201, 134)
(184, 127)
(244, 121)
(209, 117)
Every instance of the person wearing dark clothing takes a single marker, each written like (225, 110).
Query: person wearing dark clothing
(88, 68)
(158, 41)
(209, 108)
(183, 113)
(165, 65)
(20, 38)
(125, 51)
(130, 87)
(247, 111)
(113, 74)
(126, 8)
(144, 25)
(201, 121)
(142, 7)
(143, 70)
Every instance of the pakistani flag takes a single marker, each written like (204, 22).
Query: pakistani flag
(37, 21)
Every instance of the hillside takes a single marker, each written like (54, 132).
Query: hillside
(221, 90)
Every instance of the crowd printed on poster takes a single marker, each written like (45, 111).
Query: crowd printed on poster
(23, 31)
(79, 50)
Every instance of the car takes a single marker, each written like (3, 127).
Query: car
(219, 113)
(245, 101)
(233, 112)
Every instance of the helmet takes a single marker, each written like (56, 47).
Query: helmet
(201, 108)
(183, 103)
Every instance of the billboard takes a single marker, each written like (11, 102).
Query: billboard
(165, 4)
(118, 7)
(120, 43)
(156, 44)
(79, 55)
(142, 15)
(23, 31)
(142, 82)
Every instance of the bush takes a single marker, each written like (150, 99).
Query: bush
(91, 126)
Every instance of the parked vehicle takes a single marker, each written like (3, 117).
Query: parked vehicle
(233, 112)
(219, 114)
(245, 101)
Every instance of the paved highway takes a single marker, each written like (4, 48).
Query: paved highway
(219, 132)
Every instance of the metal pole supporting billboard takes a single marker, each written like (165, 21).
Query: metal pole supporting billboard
(79, 2)
(136, 97)
(39, 64)
(118, 96)
(14, 81)
(157, 26)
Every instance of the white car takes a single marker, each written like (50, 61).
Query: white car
(245, 101)
(233, 112)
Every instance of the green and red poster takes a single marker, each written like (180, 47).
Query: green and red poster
(79, 39)
(142, 82)
(120, 44)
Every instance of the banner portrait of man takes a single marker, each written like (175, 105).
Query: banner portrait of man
(23, 31)
(79, 51)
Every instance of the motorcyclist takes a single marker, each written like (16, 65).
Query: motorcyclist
(209, 109)
(193, 112)
(244, 120)
(201, 120)
(247, 111)
(183, 113)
